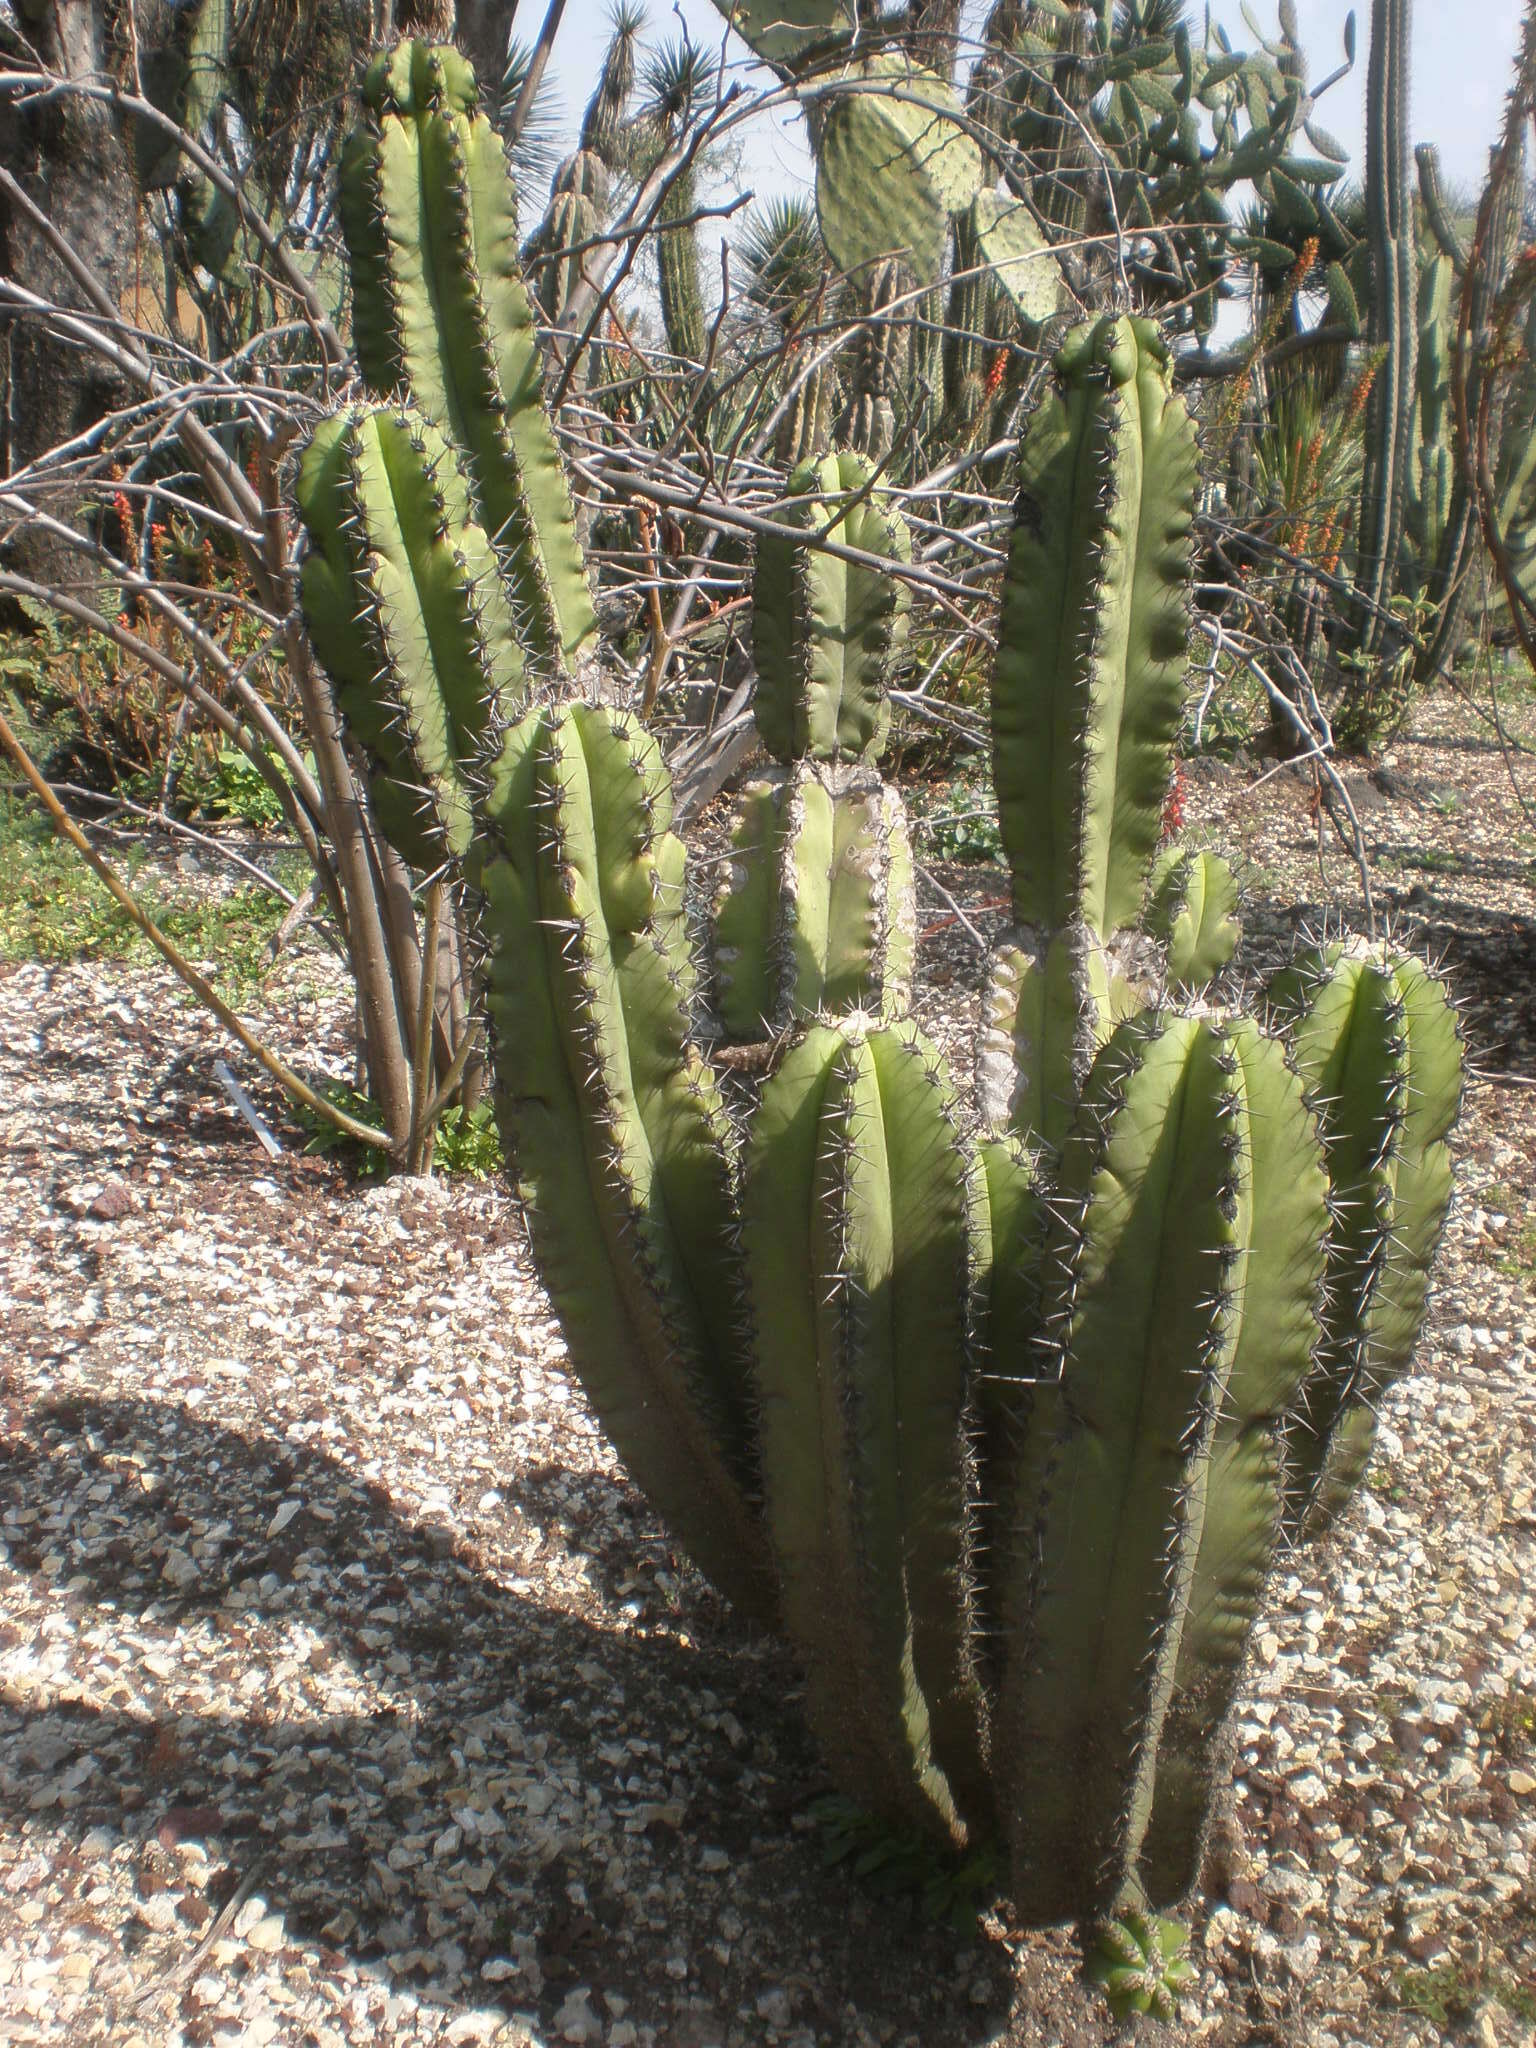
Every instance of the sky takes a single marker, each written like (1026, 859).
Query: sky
(1462, 52)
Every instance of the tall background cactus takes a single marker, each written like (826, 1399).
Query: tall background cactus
(1001, 1439)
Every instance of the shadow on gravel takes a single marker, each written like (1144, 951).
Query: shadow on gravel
(342, 1822)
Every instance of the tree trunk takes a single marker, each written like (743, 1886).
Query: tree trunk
(69, 157)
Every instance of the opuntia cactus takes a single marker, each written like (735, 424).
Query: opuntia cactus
(1001, 1438)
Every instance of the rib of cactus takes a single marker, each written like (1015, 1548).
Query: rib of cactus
(826, 632)
(439, 308)
(1375, 1040)
(1387, 478)
(1089, 684)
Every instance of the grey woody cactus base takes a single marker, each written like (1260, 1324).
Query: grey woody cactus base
(1001, 1435)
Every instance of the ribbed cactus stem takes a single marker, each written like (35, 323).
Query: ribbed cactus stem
(819, 912)
(1279, 1287)
(1392, 326)
(819, 909)
(827, 632)
(1192, 914)
(431, 227)
(621, 1143)
(677, 263)
(1153, 1214)
(1375, 1040)
(407, 611)
(855, 1224)
(1089, 685)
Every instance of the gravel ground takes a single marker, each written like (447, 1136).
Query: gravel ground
(349, 1693)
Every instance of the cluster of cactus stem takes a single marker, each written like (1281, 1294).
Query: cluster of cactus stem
(999, 1425)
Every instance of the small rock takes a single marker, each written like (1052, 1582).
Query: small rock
(1522, 1784)
(268, 1935)
(178, 1571)
(622, 2034)
(482, 2024)
(576, 2021)
(283, 1517)
(497, 1969)
(714, 1860)
(775, 2006)
(113, 1203)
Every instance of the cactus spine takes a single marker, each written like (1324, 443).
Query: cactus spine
(1002, 1442)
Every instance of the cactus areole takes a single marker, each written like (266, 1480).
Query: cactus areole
(1001, 1434)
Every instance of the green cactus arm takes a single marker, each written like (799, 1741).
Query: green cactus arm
(1046, 1016)
(854, 1222)
(825, 631)
(1089, 682)
(1435, 1073)
(1345, 1023)
(431, 202)
(1153, 1210)
(1376, 1038)
(429, 662)
(332, 602)
(1192, 912)
(375, 316)
(1280, 1291)
(642, 883)
(1389, 439)
(819, 912)
(605, 1108)
(747, 956)
(677, 268)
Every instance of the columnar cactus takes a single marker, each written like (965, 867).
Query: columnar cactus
(1393, 325)
(1001, 1438)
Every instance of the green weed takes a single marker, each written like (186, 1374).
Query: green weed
(888, 1862)
(467, 1141)
(53, 908)
(1450, 1993)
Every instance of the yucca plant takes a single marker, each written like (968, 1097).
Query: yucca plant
(1002, 1435)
